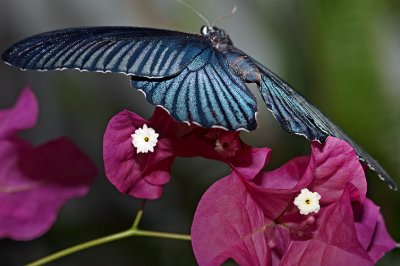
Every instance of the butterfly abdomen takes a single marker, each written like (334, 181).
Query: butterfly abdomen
(242, 65)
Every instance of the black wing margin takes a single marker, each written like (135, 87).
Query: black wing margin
(142, 52)
(298, 116)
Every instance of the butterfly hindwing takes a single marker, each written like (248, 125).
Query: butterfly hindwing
(298, 116)
(206, 92)
(292, 111)
(140, 52)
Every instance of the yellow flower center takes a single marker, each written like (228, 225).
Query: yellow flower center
(308, 201)
(146, 139)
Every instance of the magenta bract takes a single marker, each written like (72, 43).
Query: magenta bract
(143, 175)
(255, 222)
(36, 181)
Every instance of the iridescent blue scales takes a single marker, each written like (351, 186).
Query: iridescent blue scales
(133, 51)
(197, 78)
(207, 92)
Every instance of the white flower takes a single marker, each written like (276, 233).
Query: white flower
(307, 201)
(144, 139)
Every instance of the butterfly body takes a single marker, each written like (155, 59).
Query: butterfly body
(197, 78)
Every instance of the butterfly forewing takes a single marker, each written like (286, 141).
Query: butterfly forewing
(133, 51)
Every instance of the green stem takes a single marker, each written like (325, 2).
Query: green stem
(163, 235)
(106, 239)
(133, 231)
(79, 247)
(139, 215)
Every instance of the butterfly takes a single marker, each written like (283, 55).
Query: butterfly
(197, 78)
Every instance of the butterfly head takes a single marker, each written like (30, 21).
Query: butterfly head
(216, 35)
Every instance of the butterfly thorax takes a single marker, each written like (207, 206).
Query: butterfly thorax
(237, 60)
(217, 36)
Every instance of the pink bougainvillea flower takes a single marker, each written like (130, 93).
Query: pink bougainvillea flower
(36, 181)
(228, 223)
(22, 116)
(255, 222)
(371, 230)
(143, 174)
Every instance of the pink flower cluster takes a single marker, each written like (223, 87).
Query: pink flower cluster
(249, 216)
(36, 181)
(143, 175)
(255, 222)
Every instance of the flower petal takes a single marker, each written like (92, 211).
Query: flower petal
(371, 230)
(330, 166)
(167, 126)
(337, 164)
(288, 175)
(137, 174)
(335, 240)
(247, 161)
(22, 116)
(229, 224)
(36, 182)
(275, 197)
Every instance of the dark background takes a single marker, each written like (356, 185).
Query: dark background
(342, 55)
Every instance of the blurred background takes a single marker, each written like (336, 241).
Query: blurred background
(343, 55)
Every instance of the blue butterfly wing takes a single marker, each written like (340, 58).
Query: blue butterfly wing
(183, 73)
(298, 116)
(143, 52)
(207, 92)
(163, 56)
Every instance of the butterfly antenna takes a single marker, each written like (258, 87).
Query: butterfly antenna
(234, 9)
(195, 11)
